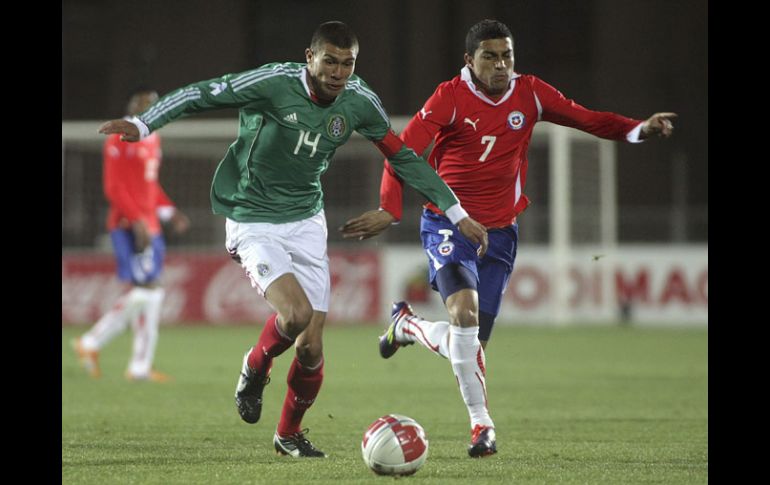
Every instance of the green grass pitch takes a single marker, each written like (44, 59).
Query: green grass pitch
(571, 405)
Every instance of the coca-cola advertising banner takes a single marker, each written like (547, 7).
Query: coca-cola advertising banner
(657, 284)
(212, 288)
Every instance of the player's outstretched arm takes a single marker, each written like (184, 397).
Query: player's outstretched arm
(658, 124)
(368, 224)
(127, 130)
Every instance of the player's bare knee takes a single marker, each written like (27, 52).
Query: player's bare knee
(464, 316)
(309, 353)
(297, 318)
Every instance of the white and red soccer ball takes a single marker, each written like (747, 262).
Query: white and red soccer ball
(394, 445)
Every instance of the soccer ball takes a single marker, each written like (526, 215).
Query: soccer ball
(394, 445)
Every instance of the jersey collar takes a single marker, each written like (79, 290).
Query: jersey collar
(465, 76)
(305, 83)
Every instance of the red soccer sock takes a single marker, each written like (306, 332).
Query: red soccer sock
(272, 343)
(304, 385)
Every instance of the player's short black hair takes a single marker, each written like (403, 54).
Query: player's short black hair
(484, 30)
(335, 33)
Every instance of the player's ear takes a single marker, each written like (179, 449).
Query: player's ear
(468, 60)
(308, 55)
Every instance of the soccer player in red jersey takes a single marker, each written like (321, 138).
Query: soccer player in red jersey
(137, 204)
(481, 122)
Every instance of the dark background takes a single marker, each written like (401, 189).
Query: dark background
(629, 57)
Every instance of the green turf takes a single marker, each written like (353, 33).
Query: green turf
(572, 405)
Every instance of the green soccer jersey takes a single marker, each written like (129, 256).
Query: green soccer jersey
(271, 173)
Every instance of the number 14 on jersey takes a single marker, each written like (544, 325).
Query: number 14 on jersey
(304, 138)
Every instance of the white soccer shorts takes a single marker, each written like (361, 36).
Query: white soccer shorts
(267, 251)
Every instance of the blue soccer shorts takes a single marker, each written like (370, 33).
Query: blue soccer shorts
(445, 244)
(138, 268)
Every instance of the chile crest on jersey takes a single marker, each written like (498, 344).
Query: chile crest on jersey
(516, 120)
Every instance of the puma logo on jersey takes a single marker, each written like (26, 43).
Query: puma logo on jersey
(425, 113)
(292, 118)
(217, 88)
(472, 123)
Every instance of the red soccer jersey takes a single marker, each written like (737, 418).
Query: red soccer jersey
(481, 145)
(131, 182)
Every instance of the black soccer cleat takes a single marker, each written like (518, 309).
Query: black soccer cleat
(297, 446)
(388, 343)
(248, 392)
(482, 442)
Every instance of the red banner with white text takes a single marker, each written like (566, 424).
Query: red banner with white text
(208, 288)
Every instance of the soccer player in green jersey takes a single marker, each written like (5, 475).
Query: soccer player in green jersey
(293, 117)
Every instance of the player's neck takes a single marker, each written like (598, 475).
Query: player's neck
(492, 97)
(485, 89)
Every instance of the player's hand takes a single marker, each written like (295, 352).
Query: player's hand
(180, 222)
(476, 233)
(367, 225)
(128, 131)
(658, 124)
(141, 236)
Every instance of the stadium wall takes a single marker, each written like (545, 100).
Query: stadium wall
(651, 284)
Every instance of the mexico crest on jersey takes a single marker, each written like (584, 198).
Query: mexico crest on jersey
(263, 269)
(336, 127)
(515, 120)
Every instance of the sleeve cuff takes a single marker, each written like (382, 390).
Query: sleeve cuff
(633, 135)
(165, 212)
(456, 213)
(144, 131)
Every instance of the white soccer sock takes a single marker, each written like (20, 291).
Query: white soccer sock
(434, 336)
(468, 364)
(114, 321)
(145, 325)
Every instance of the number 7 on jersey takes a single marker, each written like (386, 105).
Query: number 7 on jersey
(484, 140)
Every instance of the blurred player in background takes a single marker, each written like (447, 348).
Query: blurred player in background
(481, 122)
(137, 204)
(293, 117)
